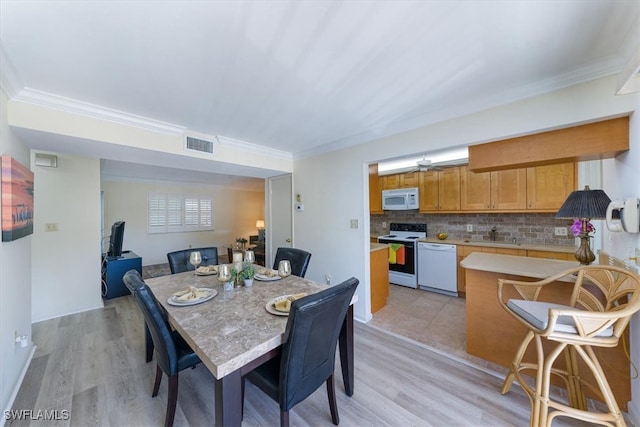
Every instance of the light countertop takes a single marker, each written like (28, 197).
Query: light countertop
(540, 268)
(378, 246)
(528, 246)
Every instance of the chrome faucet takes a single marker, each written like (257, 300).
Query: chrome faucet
(492, 234)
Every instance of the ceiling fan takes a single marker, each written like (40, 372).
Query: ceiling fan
(423, 165)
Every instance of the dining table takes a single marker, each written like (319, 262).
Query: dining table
(237, 330)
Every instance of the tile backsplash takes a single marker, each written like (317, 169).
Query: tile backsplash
(534, 228)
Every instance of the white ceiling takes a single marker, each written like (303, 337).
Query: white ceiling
(307, 77)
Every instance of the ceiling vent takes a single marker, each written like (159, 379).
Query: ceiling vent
(196, 144)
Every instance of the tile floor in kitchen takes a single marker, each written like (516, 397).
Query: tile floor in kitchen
(436, 320)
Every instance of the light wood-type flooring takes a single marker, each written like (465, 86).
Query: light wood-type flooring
(92, 365)
(436, 320)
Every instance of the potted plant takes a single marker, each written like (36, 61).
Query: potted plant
(241, 242)
(247, 273)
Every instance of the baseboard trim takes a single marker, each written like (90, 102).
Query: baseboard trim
(16, 389)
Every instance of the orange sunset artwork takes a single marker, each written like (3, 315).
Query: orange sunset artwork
(17, 200)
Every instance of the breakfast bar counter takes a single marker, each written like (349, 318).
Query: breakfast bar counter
(539, 268)
(494, 335)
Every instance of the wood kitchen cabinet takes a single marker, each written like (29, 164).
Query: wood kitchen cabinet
(496, 191)
(440, 190)
(463, 251)
(399, 180)
(389, 182)
(375, 193)
(475, 190)
(509, 190)
(410, 179)
(454, 189)
(379, 271)
(549, 186)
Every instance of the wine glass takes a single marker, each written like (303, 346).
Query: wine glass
(249, 257)
(195, 259)
(284, 268)
(224, 274)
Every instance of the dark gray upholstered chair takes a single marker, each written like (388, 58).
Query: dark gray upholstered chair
(308, 353)
(179, 260)
(298, 258)
(173, 354)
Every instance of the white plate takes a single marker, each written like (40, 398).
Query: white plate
(212, 293)
(265, 278)
(269, 307)
(210, 273)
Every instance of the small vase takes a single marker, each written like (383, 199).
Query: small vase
(248, 283)
(584, 254)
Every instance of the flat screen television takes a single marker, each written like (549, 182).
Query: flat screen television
(116, 239)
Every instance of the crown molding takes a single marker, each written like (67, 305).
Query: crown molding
(10, 81)
(86, 109)
(253, 148)
(629, 77)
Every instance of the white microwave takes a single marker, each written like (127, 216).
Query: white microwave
(401, 199)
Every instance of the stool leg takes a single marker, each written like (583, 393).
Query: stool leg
(592, 362)
(515, 365)
(577, 398)
(538, 413)
(543, 381)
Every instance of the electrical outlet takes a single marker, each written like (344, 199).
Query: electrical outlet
(52, 226)
(327, 279)
(638, 257)
(354, 223)
(384, 224)
(560, 231)
(470, 228)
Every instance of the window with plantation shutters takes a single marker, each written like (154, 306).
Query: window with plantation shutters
(171, 213)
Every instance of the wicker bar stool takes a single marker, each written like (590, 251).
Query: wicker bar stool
(603, 300)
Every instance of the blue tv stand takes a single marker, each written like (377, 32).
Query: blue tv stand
(113, 269)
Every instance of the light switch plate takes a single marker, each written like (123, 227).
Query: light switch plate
(354, 223)
(51, 226)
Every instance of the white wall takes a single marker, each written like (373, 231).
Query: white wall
(66, 263)
(15, 284)
(622, 180)
(234, 214)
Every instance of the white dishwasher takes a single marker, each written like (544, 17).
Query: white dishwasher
(437, 268)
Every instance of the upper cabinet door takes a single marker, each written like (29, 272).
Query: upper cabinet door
(509, 189)
(390, 182)
(410, 179)
(375, 193)
(429, 201)
(475, 190)
(449, 189)
(549, 186)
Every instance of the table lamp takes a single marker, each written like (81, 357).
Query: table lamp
(585, 205)
(260, 227)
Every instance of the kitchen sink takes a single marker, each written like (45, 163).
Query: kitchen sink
(512, 245)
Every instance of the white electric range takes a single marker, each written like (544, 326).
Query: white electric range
(403, 254)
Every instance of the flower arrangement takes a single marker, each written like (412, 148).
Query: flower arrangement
(576, 228)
